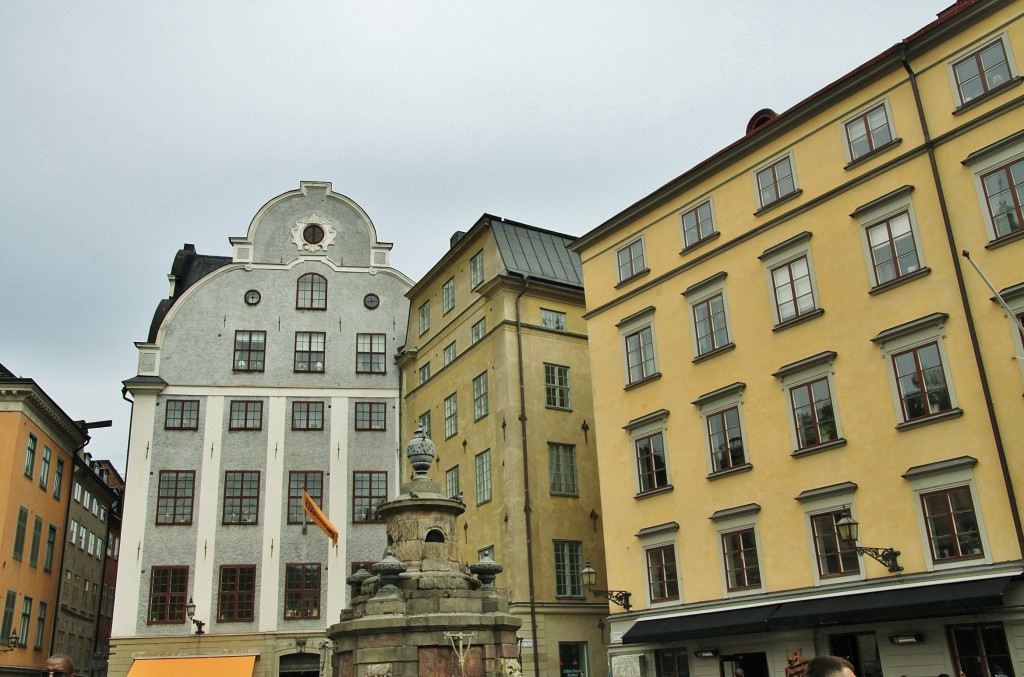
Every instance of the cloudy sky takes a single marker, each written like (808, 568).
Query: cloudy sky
(130, 128)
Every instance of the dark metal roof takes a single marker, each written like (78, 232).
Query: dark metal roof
(536, 253)
(188, 268)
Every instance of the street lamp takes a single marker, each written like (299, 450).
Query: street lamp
(12, 642)
(190, 610)
(620, 597)
(849, 532)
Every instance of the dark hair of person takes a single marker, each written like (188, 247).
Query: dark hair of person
(827, 666)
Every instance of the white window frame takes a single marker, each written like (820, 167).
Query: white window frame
(630, 326)
(761, 205)
(480, 395)
(732, 520)
(814, 502)
(695, 208)
(452, 486)
(476, 269)
(1011, 62)
(787, 252)
(554, 450)
(915, 334)
(717, 402)
(860, 113)
(874, 213)
(801, 373)
(423, 315)
(451, 415)
(478, 330)
(424, 418)
(449, 354)
(555, 390)
(700, 293)
(655, 423)
(484, 480)
(949, 474)
(424, 372)
(660, 536)
(986, 160)
(552, 319)
(448, 296)
(634, 271)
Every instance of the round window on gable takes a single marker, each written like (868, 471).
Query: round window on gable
(371, 301)
(252, 297)
(313, 233)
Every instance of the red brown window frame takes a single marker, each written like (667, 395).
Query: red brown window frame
(661, 573)
(243, 349)
(923, 391)
(985, 658)
(951, 525)
(738, 537)
(173, 581)
(650, 477)
(244, 496)
(722, 417)
(791, 283)
(371, 357)
(311, 292)
(246, 406)
(240, 601)
(365, 416)
(815, 422)
(303, 592)
(306, 359)
(173, 498)
(1017, 209)
(672, 663)
(975, 56)
(775, 180)
(295, 507)
(841, 547)
(178, 420)
(640, 354)
(309, 405)
(699, 224)
(863, 117)
(635, 262)
(719, 338)
(895, 258)
(367, 494)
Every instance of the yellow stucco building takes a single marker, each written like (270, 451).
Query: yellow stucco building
(788, 338)
(495, 369)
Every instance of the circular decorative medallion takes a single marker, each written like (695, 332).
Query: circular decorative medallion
(252, 297)
(371, 301)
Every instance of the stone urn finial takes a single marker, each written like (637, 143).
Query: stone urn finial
(420, 452)
(486, 569)
(389, 569)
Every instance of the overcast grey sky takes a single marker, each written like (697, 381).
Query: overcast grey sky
(129, 128)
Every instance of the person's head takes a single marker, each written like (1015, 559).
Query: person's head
(829, 666)
(58, 665)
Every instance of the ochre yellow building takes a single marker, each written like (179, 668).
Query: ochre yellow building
(788, 337)
(495, 369)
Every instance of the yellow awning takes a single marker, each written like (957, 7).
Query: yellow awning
(204, 666)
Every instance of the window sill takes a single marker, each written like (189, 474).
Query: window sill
(785, 198)
(714, 353)
(817, 312)
(699, 243)
(1005, 239)
(553, 408)
(565, 494)
(622, 283)
(973, 557)
(891, 284)
(876, 152)
(928, 420)
(646, 379)
(654, 492)
(728, 472)
(1009, 84)
(808, 451)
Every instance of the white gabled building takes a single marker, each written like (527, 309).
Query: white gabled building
(265, 374)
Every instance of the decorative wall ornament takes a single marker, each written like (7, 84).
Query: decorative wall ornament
(378, 670)
(510, 667)
(313, 233)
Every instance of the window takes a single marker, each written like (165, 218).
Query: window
(449, 353)
(51, 545)
(448, 296)
(310, 482)
(661, 573)
(813, 414)
(311, 292)
(19, 534)
(775, 181)
(37, 536)
(73, 532)
(951, 524)
(640, 355)
(791, 280)
(557, 391)
(78, 492)
(478, 330)
(182, 415)
(30, 455)
(424, 373)
(562, 469)
(168, 587)
(26, 618)
(307, 415)
(451, 415)
(725, 438)
(980, 650)
(698, 224)
(1004, 196)
(742, 570)
(241, 497)
(552, 319)
(58, 478)
(650, 462)
(369, 353)
(44, 468)
(476, 269)
(451, 483)
(236, 593)
(981, 71)
(483, 476)
(174, 497)
(369, 490)
(922, 388)
(868, 131)
(246, 415)
(424, 423)
(424, 317)
(8, 620)
(835, 557)
(631, 260)
(572, 659)
(302, 591)
(40, 625)
(568, 555)
(250, 349)
(480, 404)
(710, 327)
(370, 416)
(672, 663)
(309, 351)
(893, 248)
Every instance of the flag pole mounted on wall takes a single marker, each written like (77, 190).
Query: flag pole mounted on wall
(319, 518)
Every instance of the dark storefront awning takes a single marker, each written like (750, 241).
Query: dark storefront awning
(894, 604)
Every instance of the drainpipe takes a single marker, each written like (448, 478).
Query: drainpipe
(968, 314)
(527, 510)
